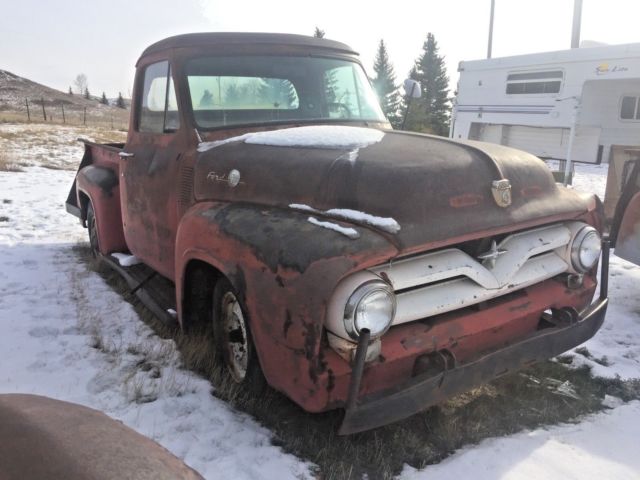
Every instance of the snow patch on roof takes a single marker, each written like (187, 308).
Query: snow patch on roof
(346, 231)
(386, 224)
(313, 136)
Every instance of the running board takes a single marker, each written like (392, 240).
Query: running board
(154, 291)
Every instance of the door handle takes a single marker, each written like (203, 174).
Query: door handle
(125, 155)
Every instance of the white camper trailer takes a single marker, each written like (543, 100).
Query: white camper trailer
(571, 104)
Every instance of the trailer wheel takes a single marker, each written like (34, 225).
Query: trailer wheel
(93, 231)
(233, 338)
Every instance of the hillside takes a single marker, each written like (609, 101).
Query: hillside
(16, 90)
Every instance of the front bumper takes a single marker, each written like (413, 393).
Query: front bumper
(422, 391)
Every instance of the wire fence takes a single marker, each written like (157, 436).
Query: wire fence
(65, 113)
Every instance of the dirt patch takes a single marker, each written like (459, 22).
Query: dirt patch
(546, 394)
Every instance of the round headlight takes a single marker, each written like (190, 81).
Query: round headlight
(585, 249)
(372, 306)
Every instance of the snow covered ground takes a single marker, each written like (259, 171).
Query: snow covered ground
(53, 312)
(64, 333)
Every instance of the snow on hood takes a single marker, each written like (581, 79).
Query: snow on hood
(386, 224)
(314, 136)
(352, 233)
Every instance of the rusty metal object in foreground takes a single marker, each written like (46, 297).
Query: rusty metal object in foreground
(42, 438)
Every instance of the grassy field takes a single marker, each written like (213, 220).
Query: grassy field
(113, 120)
(50, 146)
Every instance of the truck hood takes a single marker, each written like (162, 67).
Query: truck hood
(416, 189)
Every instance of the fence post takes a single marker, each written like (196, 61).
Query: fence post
(44, 113)
(84, 117)
(111, 121)
(26, 101)
(64, 120)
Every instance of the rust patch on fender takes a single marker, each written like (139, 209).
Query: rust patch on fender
(466, 200)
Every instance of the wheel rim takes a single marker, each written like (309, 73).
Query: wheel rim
(235, 344)
(93, 235)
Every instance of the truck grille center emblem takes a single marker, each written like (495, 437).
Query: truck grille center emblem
(501, 190)
(490, 257)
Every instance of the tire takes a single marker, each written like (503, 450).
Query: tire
(93, 231)
(232, 337)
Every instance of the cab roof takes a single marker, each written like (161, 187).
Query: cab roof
(244, 38)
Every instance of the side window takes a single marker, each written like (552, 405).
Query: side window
(159, 108)
(347, 95)
(629, 109)
(529, 83)
(341, 92)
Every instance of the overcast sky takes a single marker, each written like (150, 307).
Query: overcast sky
(51, 41)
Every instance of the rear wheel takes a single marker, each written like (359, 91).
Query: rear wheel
(233, 337)
(93, 231)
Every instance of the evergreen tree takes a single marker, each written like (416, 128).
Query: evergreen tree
(430, 113)
(278, 93)
(120, 101)
(318, 33)
(232, 95)
(104, 99)
(385, 85)
(70, 91)
(86, 93)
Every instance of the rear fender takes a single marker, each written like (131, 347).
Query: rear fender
(100, 186)
(284, 269)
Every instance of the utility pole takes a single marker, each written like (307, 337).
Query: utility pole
(490, 45)
(577, 20)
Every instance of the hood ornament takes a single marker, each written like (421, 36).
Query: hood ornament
(489, 258)
(501, 190)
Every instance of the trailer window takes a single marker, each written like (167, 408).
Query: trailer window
(532, 83)
(629, 108)
(158, 111)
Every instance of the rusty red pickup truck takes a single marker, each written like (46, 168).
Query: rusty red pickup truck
(350, 265)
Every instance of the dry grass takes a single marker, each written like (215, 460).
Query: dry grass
(508, 405)
(6, 165)
(119, 121)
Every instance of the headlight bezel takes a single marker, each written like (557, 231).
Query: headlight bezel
(576, 246)
(360, 294)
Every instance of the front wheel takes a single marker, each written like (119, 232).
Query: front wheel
(233, 337)
(93, 231)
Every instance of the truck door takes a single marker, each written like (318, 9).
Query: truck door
(625, 229)
(149, 167)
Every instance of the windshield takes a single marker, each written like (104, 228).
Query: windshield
(250, 89)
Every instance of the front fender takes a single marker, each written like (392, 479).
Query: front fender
(101, 186)
(285, 269)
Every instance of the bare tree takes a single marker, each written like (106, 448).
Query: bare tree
(81, 83)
